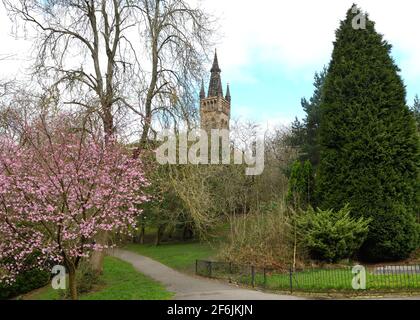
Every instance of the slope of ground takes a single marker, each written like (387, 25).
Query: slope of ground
(120, 282)
(179, 256)
(187, 287)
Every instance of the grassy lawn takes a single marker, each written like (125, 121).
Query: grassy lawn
(342, 280)
(324, 280)
(180, 256)
(120, 282)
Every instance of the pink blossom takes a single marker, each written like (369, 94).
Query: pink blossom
(59, 191)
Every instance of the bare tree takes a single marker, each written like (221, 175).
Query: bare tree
(4, 84)
(178, 38)
(83, 45)
(108, 55)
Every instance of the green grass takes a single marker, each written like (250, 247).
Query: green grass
(324, 280)
(312, 280)
(180, 256)
(120, 282)
(341, 279)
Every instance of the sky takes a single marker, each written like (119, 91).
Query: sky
(269, 50)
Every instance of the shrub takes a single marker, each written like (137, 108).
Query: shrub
(331, 235)
(24, 282)
(394, 236)
(30, 279)
(86, 278)
(262, 238)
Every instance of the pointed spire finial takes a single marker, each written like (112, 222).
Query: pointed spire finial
(202, 91)
(215, 67)
(215, 87)
(228, 97)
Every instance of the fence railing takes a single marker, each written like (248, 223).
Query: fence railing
(376, 278)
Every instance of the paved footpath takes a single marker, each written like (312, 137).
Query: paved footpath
(188, 287)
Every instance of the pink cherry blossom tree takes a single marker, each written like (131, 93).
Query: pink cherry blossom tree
(59, 189)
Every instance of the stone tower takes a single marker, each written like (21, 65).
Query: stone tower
(215, 108)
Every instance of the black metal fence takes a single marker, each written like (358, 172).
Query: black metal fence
(373, 278)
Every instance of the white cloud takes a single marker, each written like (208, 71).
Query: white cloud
(299, 34)
(264, 120)
(275, 121)
(14, 49)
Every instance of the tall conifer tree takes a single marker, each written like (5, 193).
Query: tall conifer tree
(416, 111)
(310, 147)
(369, 145)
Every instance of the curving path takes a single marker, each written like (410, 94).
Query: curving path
(188, 287)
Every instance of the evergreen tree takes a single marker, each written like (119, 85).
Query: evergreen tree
(301, 185)
(297, 134)
(311, 146)
(304, 134)
(416, 111)
(369, 145)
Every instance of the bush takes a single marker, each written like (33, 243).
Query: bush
(86, 278)
(394, 235)
(263, 238)
(29, 279)
(331, 235)
(25, 282)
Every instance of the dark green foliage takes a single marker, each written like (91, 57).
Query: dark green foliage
(28, 280)
(297, 136)
(87, 281)
(25, 282)
(301, 184)
(311, 148)
(331, 235)
(416, 111)
(370, 148)
(398, 235)
(304, 134)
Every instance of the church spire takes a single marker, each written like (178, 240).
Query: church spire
(215, 110)
(215, 67)
(202, 92)
(228, 97)
(215, 87)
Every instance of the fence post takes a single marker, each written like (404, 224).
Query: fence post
(291, 279)
(196, 267)
(210, 265)
(253, 276)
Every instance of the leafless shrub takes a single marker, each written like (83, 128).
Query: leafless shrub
(263, 238)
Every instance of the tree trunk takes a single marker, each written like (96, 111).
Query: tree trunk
(159, 234)
(97, 258)
(73, 284)
(97, 261)
(108, 121)
(150, 94)
(171, 233)
(142, 232)
(187, 233)
(145, 133)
